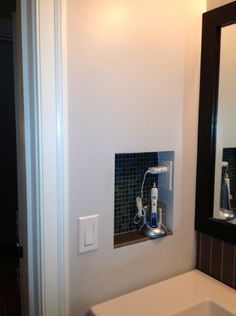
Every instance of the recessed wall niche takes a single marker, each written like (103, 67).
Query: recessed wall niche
(129, 173)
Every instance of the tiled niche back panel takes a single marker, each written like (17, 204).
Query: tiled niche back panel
(229, 155)
(129, 172)
(217, 259)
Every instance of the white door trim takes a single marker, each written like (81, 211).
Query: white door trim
(45, 106)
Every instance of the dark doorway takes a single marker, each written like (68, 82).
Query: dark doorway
(9, 258)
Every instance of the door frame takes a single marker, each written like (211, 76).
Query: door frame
(44, 61)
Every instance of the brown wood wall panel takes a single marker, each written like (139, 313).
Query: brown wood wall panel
(198, 251)
(217, 259)
(205, 250)
(228, 264)
(216, 264)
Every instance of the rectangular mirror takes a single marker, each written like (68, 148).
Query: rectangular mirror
(216, 163)
(225, 163)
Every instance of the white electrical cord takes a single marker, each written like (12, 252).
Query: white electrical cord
(139, 203)
(141, 212)
(144, 178)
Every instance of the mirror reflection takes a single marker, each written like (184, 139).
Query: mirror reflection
(228, 189)
(225, 166)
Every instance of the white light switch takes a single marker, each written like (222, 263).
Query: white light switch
(87, 227)
(89, 233)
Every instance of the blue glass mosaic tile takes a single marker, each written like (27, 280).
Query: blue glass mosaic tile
(129, 172)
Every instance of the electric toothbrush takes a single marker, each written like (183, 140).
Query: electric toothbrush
(154, 199)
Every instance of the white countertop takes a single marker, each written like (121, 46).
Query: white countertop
(167, 297)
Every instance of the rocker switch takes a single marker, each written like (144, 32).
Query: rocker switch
(87, 233)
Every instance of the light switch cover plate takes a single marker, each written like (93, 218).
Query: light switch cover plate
(87, 231)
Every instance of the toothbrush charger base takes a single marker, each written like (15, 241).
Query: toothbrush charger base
(151, 232)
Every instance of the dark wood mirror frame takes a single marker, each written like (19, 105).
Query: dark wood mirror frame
(213, 21)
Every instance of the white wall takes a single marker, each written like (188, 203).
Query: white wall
(212, 4)
(133, 87)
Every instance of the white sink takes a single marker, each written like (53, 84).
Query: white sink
(204, 308)
(190, 294)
